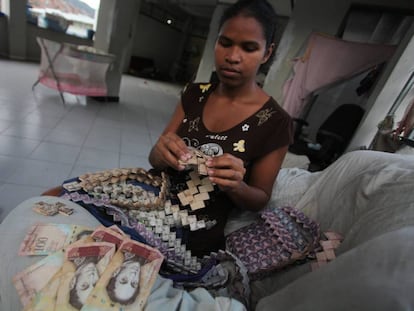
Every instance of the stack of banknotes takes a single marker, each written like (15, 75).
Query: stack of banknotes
(85, 269)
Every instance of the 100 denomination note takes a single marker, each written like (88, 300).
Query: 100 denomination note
(45, 239)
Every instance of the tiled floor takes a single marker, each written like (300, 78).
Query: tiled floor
(43, 142)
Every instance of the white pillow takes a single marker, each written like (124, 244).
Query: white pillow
(363, 194)
(290, 186)
(376, 275)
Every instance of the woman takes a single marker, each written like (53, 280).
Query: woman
(235, 120)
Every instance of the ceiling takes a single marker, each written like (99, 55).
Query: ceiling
(205, 8)
(200, 11)
(195, 8)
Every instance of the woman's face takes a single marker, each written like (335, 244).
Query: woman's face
(86, 280)
(240, 50)
(127, 280)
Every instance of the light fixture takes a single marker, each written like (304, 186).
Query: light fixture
(169, 21)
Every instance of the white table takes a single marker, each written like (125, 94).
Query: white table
(13, 229)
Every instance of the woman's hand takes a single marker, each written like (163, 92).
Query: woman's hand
(168, 150)
(226, 171)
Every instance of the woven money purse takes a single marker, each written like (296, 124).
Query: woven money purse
(281, 237)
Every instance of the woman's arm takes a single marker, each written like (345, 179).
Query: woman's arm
(170, 147)
(227, 172)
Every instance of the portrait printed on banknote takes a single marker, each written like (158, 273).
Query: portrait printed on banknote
(82, 269)
(123, 286)
(47, 238)
(127, 280)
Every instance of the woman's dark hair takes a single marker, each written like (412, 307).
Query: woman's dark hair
(262, 11)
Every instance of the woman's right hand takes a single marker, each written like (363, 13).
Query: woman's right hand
(168, 150)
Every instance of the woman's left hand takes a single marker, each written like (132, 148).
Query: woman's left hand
(226, 171)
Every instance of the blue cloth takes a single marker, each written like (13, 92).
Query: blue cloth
(100, 214)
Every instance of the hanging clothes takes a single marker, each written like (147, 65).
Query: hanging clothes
(328, 60)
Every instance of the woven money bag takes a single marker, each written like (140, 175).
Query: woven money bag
(281, 237)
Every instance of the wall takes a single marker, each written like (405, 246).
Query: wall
(206, 66)
(195, 59)
(114, 34)
(156, 41)
(387, 91)
(16, 13)
(4, 37)
(326, 16)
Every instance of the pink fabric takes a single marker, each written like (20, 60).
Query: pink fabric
(328, 60)
(74, 88)
(79, 70)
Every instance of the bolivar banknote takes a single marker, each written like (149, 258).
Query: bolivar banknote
(128, 279)
(81, 270)
(109, 234)
(68, 289)
(47, 238)
(32, 279)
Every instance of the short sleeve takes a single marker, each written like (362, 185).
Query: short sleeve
(278, 132)
(192, 93)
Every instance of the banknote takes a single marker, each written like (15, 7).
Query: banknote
(47, 238)
(82, 268)
(117, 229)
(68, 288)
(109, 234)
(32, 279)
(45, 299)
(127, 281)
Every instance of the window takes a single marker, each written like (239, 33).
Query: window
(74, 17)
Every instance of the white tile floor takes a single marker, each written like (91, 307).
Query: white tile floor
(43, 142)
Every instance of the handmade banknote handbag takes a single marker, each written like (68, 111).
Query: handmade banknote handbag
(281, 237)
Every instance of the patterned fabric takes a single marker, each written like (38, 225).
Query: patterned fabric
(282, 236)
